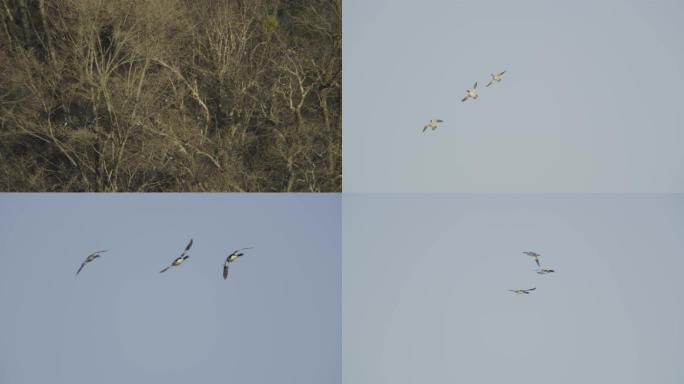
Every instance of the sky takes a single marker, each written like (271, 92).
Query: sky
(276, 319)
(426, 277)
(590, 102)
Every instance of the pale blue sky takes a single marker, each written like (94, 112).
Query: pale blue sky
(275, 320)
(591, 100)
(425, 280)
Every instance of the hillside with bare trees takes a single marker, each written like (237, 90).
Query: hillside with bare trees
(170, 95)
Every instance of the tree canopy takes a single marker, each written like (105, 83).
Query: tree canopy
(170, 95)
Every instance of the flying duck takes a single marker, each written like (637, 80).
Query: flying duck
(471, 93)
(90, 258)
(544, 271)
(535, 256)
(180, 259)
(522, 291)
(232, 257)
(495, 78)
(432, 124)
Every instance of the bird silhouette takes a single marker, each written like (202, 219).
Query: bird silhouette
(180, 259)
(471, 93)
(432, 124)
(522, 291)
(496, 77)
(88, 259)
(232, 257)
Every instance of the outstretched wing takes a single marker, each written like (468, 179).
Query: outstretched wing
(225, 271)
(490, 83)
(79, 269)
(475, 86)
(242, 249)
(165, 269)
(536, 259)
(425, 128)
(187, 248)
(465, 98)
(501, 74)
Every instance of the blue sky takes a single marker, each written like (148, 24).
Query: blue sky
(276, 318)
(426, 279)
(590, 102)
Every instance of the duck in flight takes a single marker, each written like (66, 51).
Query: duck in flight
(535, 256)
(522, 291)
(544, 271)
(496, 77)
(180, 259)
(232, 257)
(432, 124)
(471, 93)
(89, 258)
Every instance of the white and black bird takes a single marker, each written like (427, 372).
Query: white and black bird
(89, 258)
(496, 77)
(535, 256)
(544, 271)
(523, 291)
(432, 124)
(232, 257)
(471, 93)
(180, 259)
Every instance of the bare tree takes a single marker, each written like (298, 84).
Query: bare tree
(170, 95)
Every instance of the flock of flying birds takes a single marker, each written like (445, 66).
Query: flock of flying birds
(540, 270)
(471, 93)
(177, 261)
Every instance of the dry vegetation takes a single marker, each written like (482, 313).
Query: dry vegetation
(170, 95)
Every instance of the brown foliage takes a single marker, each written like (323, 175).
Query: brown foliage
(170, 95)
